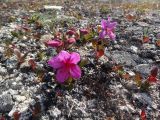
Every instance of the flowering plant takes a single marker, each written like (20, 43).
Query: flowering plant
(66, 65)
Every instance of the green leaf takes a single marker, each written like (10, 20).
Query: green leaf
(83, 62)
(15, 34)
(138, 79)
(41, 55)
(145, 86)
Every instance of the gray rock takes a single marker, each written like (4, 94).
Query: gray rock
(3, 71)
(144, 69)
(126, 58)
(148, 46)
(6, 102)
(52, 7)
(19, 98)
(143, 24)
(134, 49)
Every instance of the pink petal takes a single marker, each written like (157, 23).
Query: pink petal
(75, 71)
(71, 40)
(102, 34)
(75, 58)
(84, 31)
(59, 60)
(55, 62)
(112, 25)
(64, 56)
(54, 43)
(109, 19)
(62, 75)
(70, 32)
(103, 24)
(111, 35)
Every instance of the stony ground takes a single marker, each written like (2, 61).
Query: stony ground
(101, 93)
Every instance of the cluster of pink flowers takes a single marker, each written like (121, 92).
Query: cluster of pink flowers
(65, 63)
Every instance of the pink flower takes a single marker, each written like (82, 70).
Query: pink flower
(70, 32)
(71, 40)
(83, 31)
(66, 65)
(55, 43)
(108, 29)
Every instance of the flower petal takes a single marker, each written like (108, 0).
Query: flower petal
(84, 31)
(59, 60)
(75, 58)
(111, 35)
(102, 34)
(112, 25)
(103, 24)
(54, 43)
(63, 56)
(55, 62)
(75, 71)
(71, 40)
(62, 75)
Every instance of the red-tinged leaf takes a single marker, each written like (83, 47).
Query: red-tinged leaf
(17, 53)
(143, 115)
(152, 79)
(16, 115)
(99, 53)
(130, 17)
(154, 71)
(158, 43)
(117, 68)
(37, 109)
(145, 39)
(27, 29)
(94, 44)
(126, 76)
(138, 79)
(2, 118)
(32, 63)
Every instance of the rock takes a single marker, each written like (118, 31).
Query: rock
(147, 54)
(6, 102)
(45, 38)
(55, 112)
(12, 92)
(144, 69)
(126, 58)
(52, 7)
(134, 49)
(19, 98)
(3, 71)
(143, 98)
(149, 46)
(143, 24)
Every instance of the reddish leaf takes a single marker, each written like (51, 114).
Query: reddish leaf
(154, 71)
(130, 17)
(37, 109)
(16, 115)
(99, 53)
(117, 68)
(152, 79)
(2, 118)
(158, 43)
(126, 76)
(145, 39)
(19, 55)
(32, 63)
(143, 115)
